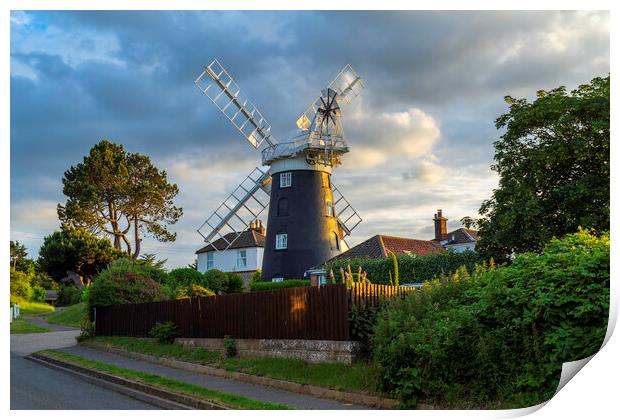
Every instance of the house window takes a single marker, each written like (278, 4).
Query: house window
(210, 260)
(285, 179)
(281, 240)
(283, 207)
(277, 279)
(242, 258)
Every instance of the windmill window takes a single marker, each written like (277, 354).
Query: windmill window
(242, 258)
(285, 179)
(335, 241)
(210, 260)
(281, 241)
(283, 207)
(329, 208)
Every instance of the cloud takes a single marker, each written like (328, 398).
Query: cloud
(421, 134)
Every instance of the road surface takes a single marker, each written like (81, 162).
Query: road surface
(37, 387)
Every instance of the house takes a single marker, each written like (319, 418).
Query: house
(51, 296)
(459, 240)
(379, 246)
(244, 256)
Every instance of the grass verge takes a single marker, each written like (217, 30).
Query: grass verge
(70, 316)
(32, 308)
(21, 326)
(229, 400)
(359, 376)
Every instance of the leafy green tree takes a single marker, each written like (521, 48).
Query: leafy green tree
(20, 285)
(19, 260)
(73, 249)
(119, 194)
(553, 167)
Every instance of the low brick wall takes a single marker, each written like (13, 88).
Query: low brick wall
(309, 350)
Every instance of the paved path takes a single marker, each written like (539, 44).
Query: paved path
(232, 386)
(24, 344)
(36, 320)
(36, 387)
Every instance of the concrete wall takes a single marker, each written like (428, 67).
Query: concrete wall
(227, 260)
(309, 350)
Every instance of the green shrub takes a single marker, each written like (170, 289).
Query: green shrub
(68, 295)
(256, 276)
(123, 282)
(216, 280)
(234, 284)
(165, 332)
(38, 294)
(267, 285)
(183, 277)
(230, 347)
(193, 291)
(20, 285)
(362, 322)
(87, 328)
(498, 337)
(411, 268)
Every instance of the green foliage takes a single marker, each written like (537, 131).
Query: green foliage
(362, 323)
(21, 326)
(553, 167)
(44, 280)
(193, 290)
(411, 268)
(75, 250)
(38, 294)
(153, 268)
(234, 283)
(165, 332)
(87, 328)
(20, 285)
(68, 295)
(497, 336)
(256, 276)
(123, 281)
(183, 277)
(266, 285)
(110, 186)
(216, 280)
(230, 348)
(71, 315)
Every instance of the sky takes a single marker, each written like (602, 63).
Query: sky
(421, 134)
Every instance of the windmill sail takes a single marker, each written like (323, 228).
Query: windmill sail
(222, 90)
(240, 208)
(348, 219)
(347, 85)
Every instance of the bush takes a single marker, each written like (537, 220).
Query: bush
(87, 328)
(123, 282)
(183, 277)
(216, 280)
(68, 295)
(500, 336)
(20, 285)
(267, 285)
(193, 291)
(362, 322)
(165, 332)
(234, 283)
(230, 347)
(412, 268)
(38, 294)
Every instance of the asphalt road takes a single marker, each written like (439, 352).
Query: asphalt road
(36, 387)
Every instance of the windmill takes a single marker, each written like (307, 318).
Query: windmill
(308, 217)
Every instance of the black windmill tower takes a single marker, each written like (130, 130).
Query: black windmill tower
(308, 216)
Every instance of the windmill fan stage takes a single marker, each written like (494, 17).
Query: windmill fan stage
(308, 217)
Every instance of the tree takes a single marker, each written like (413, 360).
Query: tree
(119, 194)
(18, 256)
(75, 249)
(553, 165)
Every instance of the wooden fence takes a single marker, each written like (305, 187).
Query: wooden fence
(310, 313)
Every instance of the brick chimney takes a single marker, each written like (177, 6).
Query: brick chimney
(441, 230)
(257, 226)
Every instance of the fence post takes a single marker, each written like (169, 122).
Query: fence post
(18, 314)
(11, 314)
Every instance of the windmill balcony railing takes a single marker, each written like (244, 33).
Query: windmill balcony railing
(303, 143)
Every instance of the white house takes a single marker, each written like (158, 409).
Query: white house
(244, 256)
(461, 239)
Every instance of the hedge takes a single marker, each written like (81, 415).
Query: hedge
(412, 268)
(266, 285)
(497, 338)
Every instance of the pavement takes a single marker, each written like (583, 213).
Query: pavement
(256, 392)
